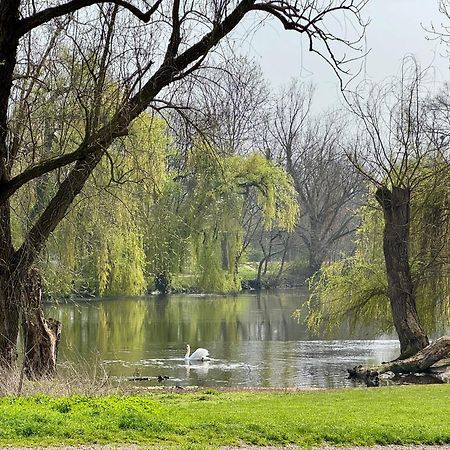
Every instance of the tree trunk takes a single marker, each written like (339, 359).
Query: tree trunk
(283, 258)
(9, 40)
(396, 209)
(268, 256)
(419, 363)
(9, 302)
(258, 281)
(225, 252)
(314, 264)
(163, 282)
(315, 250)
(41, 335)
(9, 295)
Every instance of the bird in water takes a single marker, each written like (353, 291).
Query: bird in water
(201, 354)
(161, 378)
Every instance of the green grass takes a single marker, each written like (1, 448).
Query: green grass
(394, 415)
(248, 271)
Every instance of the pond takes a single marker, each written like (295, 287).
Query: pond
(253, 339)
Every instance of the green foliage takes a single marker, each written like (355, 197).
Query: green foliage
(167, 233)
(150, 211)
(227, 184)
(206, 418)
(430, 249)
(276, 192)
(354, 287)
(154, 213)
(126, 262)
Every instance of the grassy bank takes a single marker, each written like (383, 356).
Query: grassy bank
(397, 415)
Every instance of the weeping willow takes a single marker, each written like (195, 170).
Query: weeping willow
(355, 288)
(99, 248)
(199, 218)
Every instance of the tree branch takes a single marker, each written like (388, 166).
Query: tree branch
(55, 211)
(28, 23)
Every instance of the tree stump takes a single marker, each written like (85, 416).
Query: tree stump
(41, 335)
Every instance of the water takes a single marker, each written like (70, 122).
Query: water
(254, 341)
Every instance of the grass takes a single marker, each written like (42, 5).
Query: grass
(392, 415)
(248, 271)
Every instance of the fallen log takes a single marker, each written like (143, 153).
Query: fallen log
(421, 362)
(160, 378)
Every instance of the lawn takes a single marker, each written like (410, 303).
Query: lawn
(391, 415)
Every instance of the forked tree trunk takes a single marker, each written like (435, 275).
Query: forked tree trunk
(396, 209)
(41, 335)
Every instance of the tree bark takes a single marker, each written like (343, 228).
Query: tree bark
(9, 295)
(9, 41)
(396, 209)
(41, 335)
(225, 251)
(9, 324)
(283, 258)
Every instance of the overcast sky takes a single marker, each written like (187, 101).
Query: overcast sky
(396, 28)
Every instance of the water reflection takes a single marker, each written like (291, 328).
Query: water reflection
(253, 340)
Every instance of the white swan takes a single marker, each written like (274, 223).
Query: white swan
(201, 354)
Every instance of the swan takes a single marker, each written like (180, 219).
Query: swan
(201, 354)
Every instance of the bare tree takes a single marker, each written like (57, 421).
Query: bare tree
(329, 187)
(230, 101)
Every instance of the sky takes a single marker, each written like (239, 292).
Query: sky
(396, 29)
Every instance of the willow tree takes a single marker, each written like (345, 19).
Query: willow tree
(219, 243)
(145, 47)
(355, 288)
(404, 157)
(400, 139)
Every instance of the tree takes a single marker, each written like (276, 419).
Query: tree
(229, 105)
(404, 158)
(173, 40)
(399, 142)
(328, 186)
(98, 249)
(355, 288)
(231, 108)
